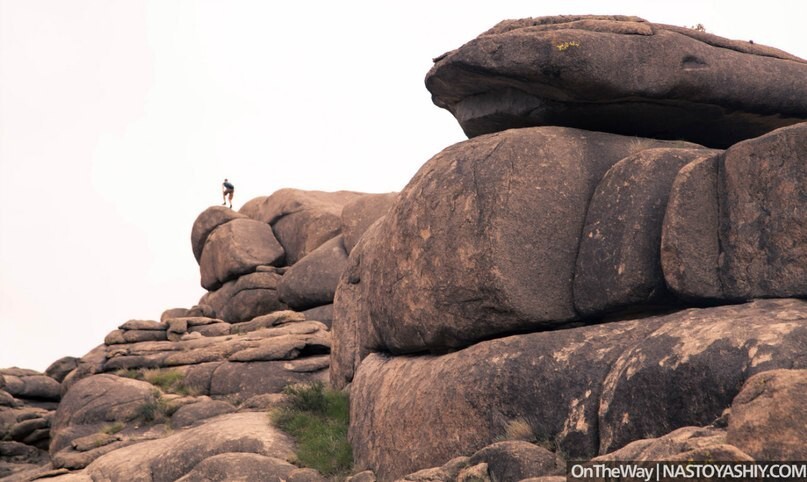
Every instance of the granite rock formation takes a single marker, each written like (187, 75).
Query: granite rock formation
(619, 74)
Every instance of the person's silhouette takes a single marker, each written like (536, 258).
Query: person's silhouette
(227, 190)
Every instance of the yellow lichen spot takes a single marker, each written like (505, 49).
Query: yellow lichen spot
(566, 45)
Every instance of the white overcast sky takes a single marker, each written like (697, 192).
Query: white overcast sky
(120, 118)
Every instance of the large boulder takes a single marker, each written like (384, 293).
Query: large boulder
(172, 457)
(95, 401)
(483, 240)
(769, 418)
(587, 390)
(235, 249)
(240, 466)
(206, 222)
(352, 328)
(249, 296)
(763, 193)
(690, 248)
(24, 383)
(734, 227)
(706, 444)
(312, 281)
(619, 74)
(618, 260)
(360, 214)
(301, 220)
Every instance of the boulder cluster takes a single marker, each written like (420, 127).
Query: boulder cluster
(613, 267)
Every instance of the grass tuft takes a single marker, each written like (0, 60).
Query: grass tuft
(318, 419)
(112, 428)
(169, 381)
(155, 409)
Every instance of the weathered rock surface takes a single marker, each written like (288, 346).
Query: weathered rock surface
(16, 457)
(322, 313)
(683, 444)
(619, 74)
(763, 231)
(690, 248)
(22, 383)
(243, 299)
(235, 249)
(353, 331)
(240, 466)
(735, 227)
(618, 260)
(483, 240)
(172, 457)
(59, 369)
(95, 401)
(193, 413)
(517, 460)
(360, 214)
(312, 281)
(301, 220)
(587, 390)
(769, 418)
(206, 222)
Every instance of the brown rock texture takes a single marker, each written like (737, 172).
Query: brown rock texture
(769, 418)
(301, 220)
(95, 401)
(588, 390)
(235, 249)
(312, 281)
(690, 248)
(517, 460)
(483, 240)
(618, 260)
(172, 457)
(206, 222)
(619, 74)
(245, 298)
(735, 226)
(360, 214)
(687, 443)
(763, 201)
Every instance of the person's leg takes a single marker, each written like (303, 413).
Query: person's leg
(230, 196)
(224, 197)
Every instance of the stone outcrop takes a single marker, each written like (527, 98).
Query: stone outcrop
(235, 249)
(301, 220)
(249, 296)
(619, 74)
(534, 294)
(767, 418)
(96, 401)
(618, 262)
(206, 222)
(735, 225)
(172, 457)
(483, 240)
(312, 281)
(28, 400)
(360, 214)
(587, 390)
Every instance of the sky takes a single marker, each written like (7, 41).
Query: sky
(119, 119)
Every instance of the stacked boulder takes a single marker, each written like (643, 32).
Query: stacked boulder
(209, 371)
(28, 400)
(595, 188)
(281, 251)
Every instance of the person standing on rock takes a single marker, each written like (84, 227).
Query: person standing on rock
(227, 190)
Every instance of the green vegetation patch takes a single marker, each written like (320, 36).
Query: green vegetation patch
(156, 409)
(168, 380)
(318, 419)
